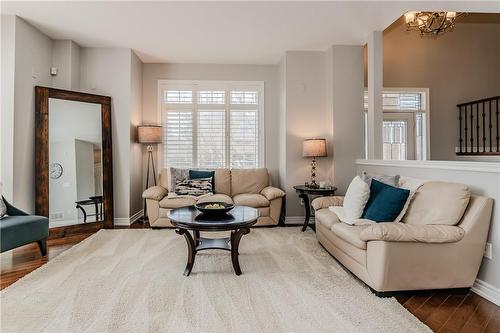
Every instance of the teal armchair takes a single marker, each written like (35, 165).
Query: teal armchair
(19, 228)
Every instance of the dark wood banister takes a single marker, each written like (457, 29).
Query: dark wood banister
(489, 131)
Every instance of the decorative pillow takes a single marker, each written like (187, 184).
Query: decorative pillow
(193, 187)
(385, 203)
(197, 174)
(175, 174)
(3, 208)
(386, 179)
(355, 200)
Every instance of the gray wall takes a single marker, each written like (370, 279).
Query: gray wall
(345, 91)
(459, 66)
(306, 115)
(267, 73)
(29, 59)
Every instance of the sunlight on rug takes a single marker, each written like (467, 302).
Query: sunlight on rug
(131, 281)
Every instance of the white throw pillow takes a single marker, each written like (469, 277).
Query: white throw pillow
(355, 200)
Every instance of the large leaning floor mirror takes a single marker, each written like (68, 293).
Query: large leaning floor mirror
(74, 186)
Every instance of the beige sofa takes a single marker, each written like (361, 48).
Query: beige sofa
(413, 255)
(247, 187)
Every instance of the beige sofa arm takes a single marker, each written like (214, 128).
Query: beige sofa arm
(402, 232)
(325, 202)
(155, 193)
(272, 193)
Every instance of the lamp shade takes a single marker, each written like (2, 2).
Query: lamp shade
(314, 148)
(149, 134)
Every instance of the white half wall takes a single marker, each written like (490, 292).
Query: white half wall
(482, 178)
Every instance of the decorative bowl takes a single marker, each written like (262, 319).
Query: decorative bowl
(214, 208)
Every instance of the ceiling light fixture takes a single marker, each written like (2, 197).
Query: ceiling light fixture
(431, 24)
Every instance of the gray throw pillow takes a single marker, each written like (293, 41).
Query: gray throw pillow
(386, 179)
(176, 174)
(3, 208)
(193, 187)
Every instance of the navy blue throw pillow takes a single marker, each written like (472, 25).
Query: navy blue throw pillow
(197, 174)
(385, 202)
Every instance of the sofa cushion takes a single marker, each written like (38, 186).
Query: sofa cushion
(223, 181)
(251, 200)
(173, 202)
(438, 203)
(386, 202)
(403, 232)
(248, 180)
(392, 180)
(350, 233)
(326, 217)
(216, 198)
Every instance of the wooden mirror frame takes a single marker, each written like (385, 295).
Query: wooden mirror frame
(42, 95)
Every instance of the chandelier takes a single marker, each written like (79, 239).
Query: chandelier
(431, 24)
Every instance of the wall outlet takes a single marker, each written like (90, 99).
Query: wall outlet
(488, 251)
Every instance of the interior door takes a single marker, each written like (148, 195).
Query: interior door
(399, 136)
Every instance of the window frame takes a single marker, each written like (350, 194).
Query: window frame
(214, 85)
(425, 109)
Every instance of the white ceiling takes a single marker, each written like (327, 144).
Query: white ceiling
(221, 32)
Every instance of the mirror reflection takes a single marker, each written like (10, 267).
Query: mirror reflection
(75, 169)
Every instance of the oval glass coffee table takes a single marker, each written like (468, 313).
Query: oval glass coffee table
(238, 221)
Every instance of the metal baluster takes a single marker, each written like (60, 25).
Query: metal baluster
(491, 141)
(498, 137)
(460, 127)
(484, 130)
(472, 128)
(465, 127)
(477, 128)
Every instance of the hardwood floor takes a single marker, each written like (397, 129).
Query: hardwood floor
(441, 311)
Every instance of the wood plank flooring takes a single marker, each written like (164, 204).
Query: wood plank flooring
(442, 312)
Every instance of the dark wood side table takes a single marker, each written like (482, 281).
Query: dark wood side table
(304, 193)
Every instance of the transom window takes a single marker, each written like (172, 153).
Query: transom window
(404, 124)
(212, 124)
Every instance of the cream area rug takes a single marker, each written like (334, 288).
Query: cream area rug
(132, 281)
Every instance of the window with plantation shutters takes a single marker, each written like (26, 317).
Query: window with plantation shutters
(178, 138)
(212, 124)
(244, 146)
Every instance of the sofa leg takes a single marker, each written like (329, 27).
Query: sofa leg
(42, 244)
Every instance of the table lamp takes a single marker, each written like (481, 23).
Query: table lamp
(149, 134)
(314, 148)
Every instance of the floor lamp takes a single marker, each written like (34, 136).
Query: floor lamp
(149, 135)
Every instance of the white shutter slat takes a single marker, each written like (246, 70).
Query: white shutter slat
(211, 138)
(244, 143)
(178, 139)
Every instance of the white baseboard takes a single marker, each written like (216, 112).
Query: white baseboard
(298, 219)
(124, 221)
(486, 290)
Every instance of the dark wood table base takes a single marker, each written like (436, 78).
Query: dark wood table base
(198, 243)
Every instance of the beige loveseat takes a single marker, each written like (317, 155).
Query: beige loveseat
(413, 254)
(247, 187)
